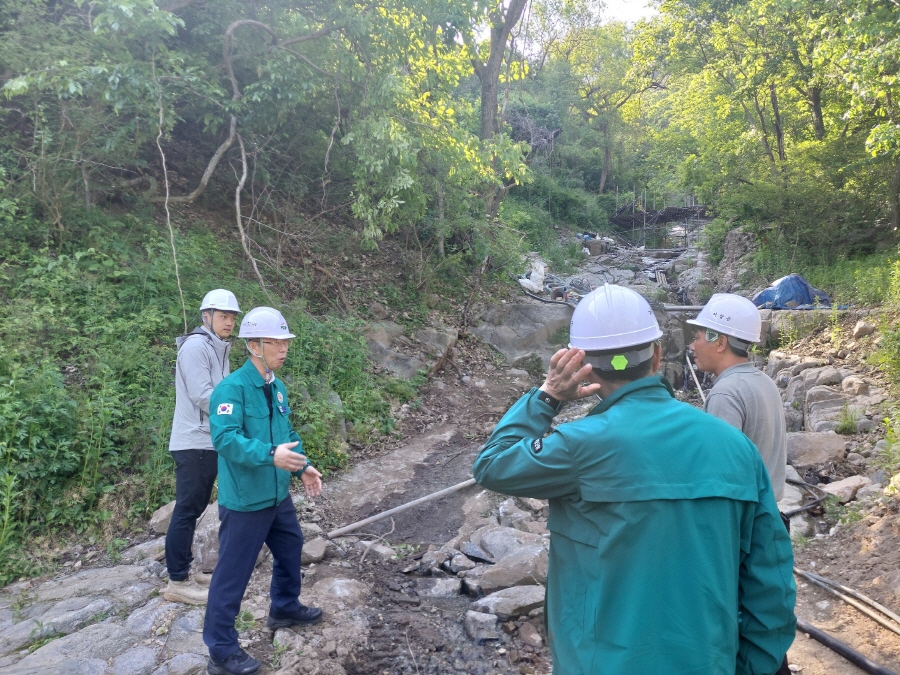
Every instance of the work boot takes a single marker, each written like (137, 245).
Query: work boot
(185, 591)
(202, 578)
(239, 663)
(305, 616)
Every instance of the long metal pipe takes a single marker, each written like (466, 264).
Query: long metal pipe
(397, 509)
(696, 379)
(683, 308)
(844, 650)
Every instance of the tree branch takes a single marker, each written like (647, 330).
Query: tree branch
(245, 240)
(213, 163)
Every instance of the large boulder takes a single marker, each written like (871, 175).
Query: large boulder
(777, 361)
(521, 330)
(809, 448)
(159, 521)
(512, 516)
(206, 539)
(86, 651)
(855, 386)
(845, 490)
(481, 626)
(824, 407)
(528, 566)
(511, 603)
(794, 498)
(499, 542)
(436, 341)
(403, 366)
(434, 587)
(829, 375)
(862, 328)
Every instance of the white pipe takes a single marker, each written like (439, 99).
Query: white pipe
(696, 380)
(398, 509)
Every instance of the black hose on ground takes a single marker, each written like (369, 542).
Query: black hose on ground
(809, 505)
(844, 650)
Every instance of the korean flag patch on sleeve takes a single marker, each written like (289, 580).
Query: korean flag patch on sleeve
(225, 408)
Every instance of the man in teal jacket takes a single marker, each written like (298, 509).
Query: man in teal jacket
(667, 552)
(258, 453)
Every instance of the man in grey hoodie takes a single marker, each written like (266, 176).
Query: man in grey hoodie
(202, 363)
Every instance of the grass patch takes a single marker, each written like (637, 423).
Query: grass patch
(244, 621)
(847, 423)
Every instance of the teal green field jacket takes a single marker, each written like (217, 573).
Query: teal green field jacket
(667, 552)
(245, 435)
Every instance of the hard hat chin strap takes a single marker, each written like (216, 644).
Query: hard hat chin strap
(261, 356)
(206, 316)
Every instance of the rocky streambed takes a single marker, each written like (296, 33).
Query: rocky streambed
(456, 585)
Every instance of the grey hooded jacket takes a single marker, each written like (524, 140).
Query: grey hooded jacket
(202, 363)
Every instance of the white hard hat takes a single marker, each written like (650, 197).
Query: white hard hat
(612, 317)
(264, 322)
(220, 299)
(732, 315)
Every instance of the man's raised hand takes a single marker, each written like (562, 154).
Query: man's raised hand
(566, 375)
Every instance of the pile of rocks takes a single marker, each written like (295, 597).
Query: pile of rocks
(406, 357)
(500, 561)
(820, 397)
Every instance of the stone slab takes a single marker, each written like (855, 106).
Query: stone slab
(809, 448)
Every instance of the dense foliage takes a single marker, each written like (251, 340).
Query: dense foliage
(136, 133)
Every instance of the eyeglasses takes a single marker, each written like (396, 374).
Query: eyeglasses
(280, 344)
(711, 335)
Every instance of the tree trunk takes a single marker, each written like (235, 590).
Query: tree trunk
(502, 23)
(440, 209)
(814, 96)
(779, 131)
(503, 20)
(764, 136)
(607, 157)
(894, 198)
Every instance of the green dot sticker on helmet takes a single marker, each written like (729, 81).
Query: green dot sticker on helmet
(619, 362)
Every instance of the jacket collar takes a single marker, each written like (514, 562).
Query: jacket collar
(252, 374)
(654, 384)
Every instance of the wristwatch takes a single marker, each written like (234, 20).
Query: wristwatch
(549, 400)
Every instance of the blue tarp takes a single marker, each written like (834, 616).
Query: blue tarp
(791, 292)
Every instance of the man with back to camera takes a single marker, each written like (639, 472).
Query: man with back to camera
(259, 451)
(201, 364)
(667, 553)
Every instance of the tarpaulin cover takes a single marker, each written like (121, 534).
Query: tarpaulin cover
(791, 292)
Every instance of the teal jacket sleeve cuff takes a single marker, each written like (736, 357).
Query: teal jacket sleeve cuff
(518, 460)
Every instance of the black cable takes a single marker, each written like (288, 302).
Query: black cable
(810, 488)
(844, 650)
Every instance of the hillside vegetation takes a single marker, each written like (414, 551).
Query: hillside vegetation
(152, 150)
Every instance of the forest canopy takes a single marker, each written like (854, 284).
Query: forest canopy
(152, 150)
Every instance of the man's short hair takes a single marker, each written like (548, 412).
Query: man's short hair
(738, 347)
(629, 374)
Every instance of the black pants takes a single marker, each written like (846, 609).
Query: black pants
(241, 536)
(195, 475)
(784, 670)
